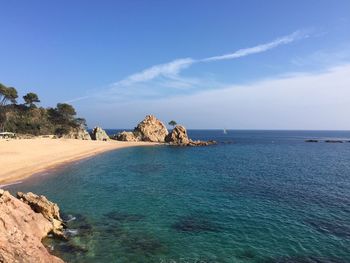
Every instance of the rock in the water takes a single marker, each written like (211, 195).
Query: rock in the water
(126, 137)
(178, 136)
(48, 209)
(151, 130)
(311, 140)
(98, 134)
(333, 141)
(21, 232)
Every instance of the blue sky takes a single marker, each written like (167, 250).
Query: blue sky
(207, 64)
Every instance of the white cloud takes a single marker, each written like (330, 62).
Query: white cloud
(173, 68)
(259, 48)
(297, 101)
(163, 70)
(157, 80)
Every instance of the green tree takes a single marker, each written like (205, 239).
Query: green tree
(30, 99)
(172, 123)
(7, 94)
(66, 111)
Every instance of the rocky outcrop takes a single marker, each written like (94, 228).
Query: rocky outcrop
(149, 130)
(77, 133)
(98, 134)
(153, 130)
(178, 137)
(48, 209)
(126, 137)
(22, 229)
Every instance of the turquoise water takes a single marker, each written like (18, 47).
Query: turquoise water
(267, 197)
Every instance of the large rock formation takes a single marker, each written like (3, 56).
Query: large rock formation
(21, 231)
(98, 134)
(178, 136)
(150, 130)
(153, 130)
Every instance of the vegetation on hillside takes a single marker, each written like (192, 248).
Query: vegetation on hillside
(28, 118)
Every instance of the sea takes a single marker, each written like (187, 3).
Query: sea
(256, 196)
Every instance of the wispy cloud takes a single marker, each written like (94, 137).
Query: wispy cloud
(259, 48)
(173, 68)
(167, 75)
(170, 69)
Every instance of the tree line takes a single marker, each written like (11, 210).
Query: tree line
(29, 118)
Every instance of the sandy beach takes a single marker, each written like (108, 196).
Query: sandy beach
(20, 159)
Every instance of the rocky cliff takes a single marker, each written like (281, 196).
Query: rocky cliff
(24, 223)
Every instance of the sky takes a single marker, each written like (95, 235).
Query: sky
(238, 64)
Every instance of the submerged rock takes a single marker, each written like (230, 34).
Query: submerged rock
(123, 217)
(21, 232)
(98, 134)
(195, 224)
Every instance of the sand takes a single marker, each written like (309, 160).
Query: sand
(20, 159)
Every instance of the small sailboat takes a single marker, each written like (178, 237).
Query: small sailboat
(225, 131)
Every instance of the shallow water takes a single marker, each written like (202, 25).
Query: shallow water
(258, 196)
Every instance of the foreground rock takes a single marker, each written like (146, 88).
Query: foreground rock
(149, 130)
(178, 137)
(22, 229)
(48, 209)
(98, 134)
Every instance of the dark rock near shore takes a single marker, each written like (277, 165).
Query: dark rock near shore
(311, 140)
(333, 141)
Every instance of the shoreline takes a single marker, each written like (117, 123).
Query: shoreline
(21, 159)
